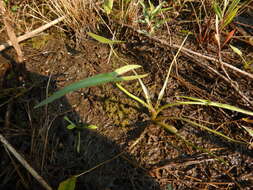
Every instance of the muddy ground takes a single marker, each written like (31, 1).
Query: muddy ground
(159, 160)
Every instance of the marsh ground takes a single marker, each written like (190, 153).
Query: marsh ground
(159, 160)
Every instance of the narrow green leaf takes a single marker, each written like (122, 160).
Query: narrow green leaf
(126, 68)
(234, 5)
(93, 127)
(236, 50)
(103, 40)
(92, 81)
(215, 104)
(107, 6)
(68, 184)
(157, 10)
(217, 10)
(133, 96)
(229, 18)
(151, 6)
(209, 130)
(70, 127)
(126, 78)
(167, 127)
(68, 120)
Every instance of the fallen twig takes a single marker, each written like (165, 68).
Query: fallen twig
(187, 50)
(226, 79)
(207, 57)
(24, 163)
(10, 32)
(32, 33)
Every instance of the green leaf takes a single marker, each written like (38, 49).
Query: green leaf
(126, 68)
(157, 10)
(107, 6)
(68, 120)
(93, 81)
(92, 127)
(15, 8)
(70, 127)
(103, 40)
(236, 50)
(228, 19)
(233, 6)
(209, 130)
(215, 104)
(68, 184)
(217, 10)
(151, 6)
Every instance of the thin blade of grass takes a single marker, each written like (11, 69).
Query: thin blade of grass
(126, 78)
(126, 68)
(104, 40)
(207, 129)
(229, 18)
(132, 96)
(201, 149)
(216, 104)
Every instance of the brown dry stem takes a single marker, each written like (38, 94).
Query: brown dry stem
(24, 163)
(10, 32)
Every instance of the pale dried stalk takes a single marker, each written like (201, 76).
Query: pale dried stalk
(32, 33)
(10, 32)
(25, 163)
(187, 50)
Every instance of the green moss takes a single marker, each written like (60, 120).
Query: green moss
(122, 111)
(40, 41)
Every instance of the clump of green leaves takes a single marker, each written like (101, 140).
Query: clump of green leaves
(151, 16)
(227, 12)
(79, 128)
(156, 109)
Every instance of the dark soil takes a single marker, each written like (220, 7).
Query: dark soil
(159, 160)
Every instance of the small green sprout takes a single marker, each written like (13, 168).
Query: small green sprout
(151, 16)
(73, 126)
(248, 65)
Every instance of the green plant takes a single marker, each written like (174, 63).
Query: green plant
(246, 64)
(151, 17)
(227, 12)
(223, 17)
(79, 128)
(107, 6)
(96, 80)
(156, 110)
(14, 8)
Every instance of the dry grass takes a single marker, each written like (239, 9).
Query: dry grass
(79, 14)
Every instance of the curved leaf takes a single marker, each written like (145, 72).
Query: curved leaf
(103, 40)
(68, 184)
(93, 81)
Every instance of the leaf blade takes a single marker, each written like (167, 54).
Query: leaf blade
(68, 184)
